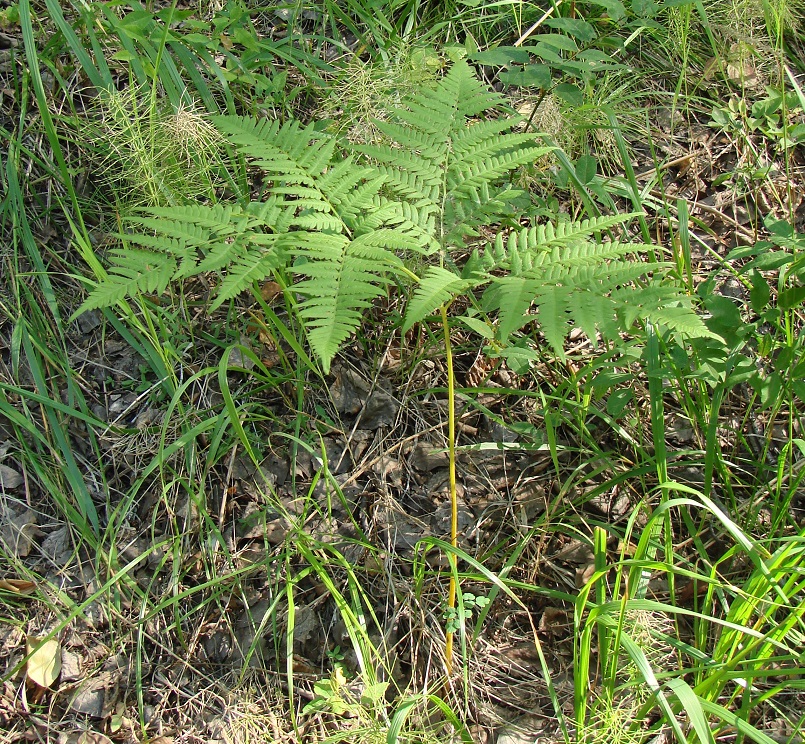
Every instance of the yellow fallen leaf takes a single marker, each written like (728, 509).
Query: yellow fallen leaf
(339, 680)
(93, 737)
(44, 661)
(17, 586)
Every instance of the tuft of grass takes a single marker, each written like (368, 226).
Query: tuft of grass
(157, 154)
(363, 92)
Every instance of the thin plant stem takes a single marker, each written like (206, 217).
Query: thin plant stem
(547, 14)
(451, 449)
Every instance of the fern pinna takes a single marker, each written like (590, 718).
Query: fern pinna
(342, 227)
(569, 277)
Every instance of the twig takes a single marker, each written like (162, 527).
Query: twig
(547, 14)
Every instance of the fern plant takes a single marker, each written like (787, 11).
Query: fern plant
(342, 226)
(334, 230)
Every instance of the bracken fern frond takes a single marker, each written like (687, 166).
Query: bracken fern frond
(342, 225)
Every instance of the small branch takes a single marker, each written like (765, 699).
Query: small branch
(547, 14)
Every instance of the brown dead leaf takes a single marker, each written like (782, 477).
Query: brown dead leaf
(584, 573)
(70, 666)
(270, 359)
(270, 290)
(239, 357)
(44, 660)
(576, 551)
(711, 67)
(9, 705)
(301, 665)
(93, 737)
(740, 67)
(17, 586)
(95, 697)
(57, 547)
(554, 619)
(9, 478)
(741, 72)
(84, 737)
(17, 532)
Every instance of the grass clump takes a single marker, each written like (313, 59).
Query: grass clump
(164, 154)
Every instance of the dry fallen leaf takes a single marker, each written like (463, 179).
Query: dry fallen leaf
(95, 696)
(17, 586)
(18, 531)
(270, 290)
(93, 737)
(711, 67)
(84, 737)
(584, 573)
(9, 478)
(44, 662)
(554, 619)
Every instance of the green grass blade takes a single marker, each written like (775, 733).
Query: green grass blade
(691, 704)
(44, 109)
(661, 528)
(743, 727)
(631, 178)
(65, 450)
(21, 227)
(404, 710)
(99, 75)
(638, 656)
